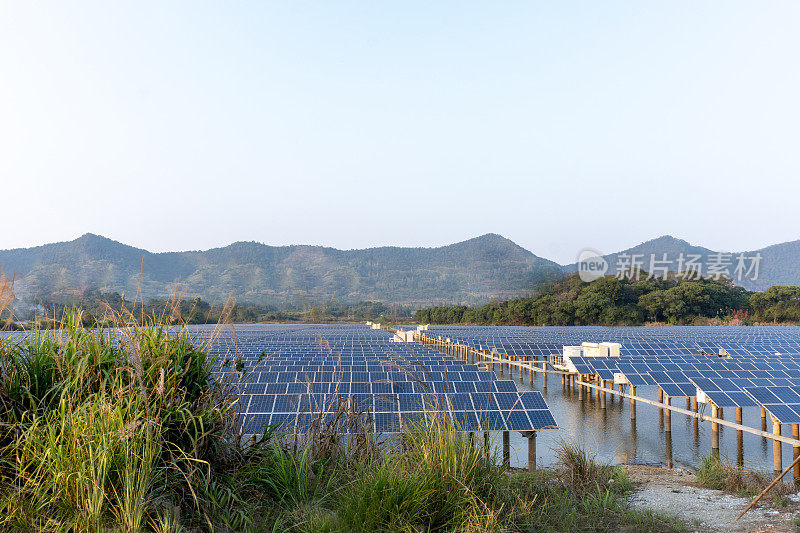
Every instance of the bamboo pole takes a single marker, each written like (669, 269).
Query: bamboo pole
(774, 482)
(777, 457)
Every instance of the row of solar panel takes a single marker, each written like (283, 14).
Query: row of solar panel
(380, 387)
(318, 402)
(394, 422)
(777, 393)
(391, 417)
(364, 377)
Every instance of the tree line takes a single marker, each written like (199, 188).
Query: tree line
(610, 301)
(100, 308)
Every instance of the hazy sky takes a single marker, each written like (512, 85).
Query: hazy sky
(561, 125)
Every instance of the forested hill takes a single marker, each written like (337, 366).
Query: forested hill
(609, 301)
(470, 272)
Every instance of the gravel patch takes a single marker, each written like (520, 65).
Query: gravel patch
(673, 492)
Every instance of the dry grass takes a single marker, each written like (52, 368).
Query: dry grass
(721, 474)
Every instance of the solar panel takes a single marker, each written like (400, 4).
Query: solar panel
(298, 375)
(761, 368)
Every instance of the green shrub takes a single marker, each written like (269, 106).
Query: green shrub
(96, 418)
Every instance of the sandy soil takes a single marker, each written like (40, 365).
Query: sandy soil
(674, 491)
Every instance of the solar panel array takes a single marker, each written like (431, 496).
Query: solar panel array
(680, 340)
(296, 375)
(781, 401)
(760, 367)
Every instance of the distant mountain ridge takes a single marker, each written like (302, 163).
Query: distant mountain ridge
(778, 265)
(469, 272)
(475, 271)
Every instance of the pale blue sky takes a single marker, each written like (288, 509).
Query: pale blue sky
(561, 125)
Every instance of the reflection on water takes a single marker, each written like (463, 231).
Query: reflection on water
(617, 437)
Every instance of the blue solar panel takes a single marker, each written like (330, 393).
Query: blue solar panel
(298, 375)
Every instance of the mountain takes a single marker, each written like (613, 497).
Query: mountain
(780, 265)
(656, 248)
(777, 266)
(470, 272)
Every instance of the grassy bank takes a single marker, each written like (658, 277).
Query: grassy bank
(720, 474)
(135, 435)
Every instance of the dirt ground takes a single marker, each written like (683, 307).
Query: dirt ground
(674, 491)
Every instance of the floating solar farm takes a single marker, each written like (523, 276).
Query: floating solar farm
(298, 374)
(718, 367)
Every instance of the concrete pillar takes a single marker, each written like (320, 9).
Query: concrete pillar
(777, 458)
(714, 433)
(739, 439)
(602, 396)
(506, 449)
(632, 408)
(667, 415)
(668, 448)
(532, 452)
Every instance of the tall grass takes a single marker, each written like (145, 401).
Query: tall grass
(435, 477)
(126, 430)
(720, 474)
(96, 418)
(581, 470)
